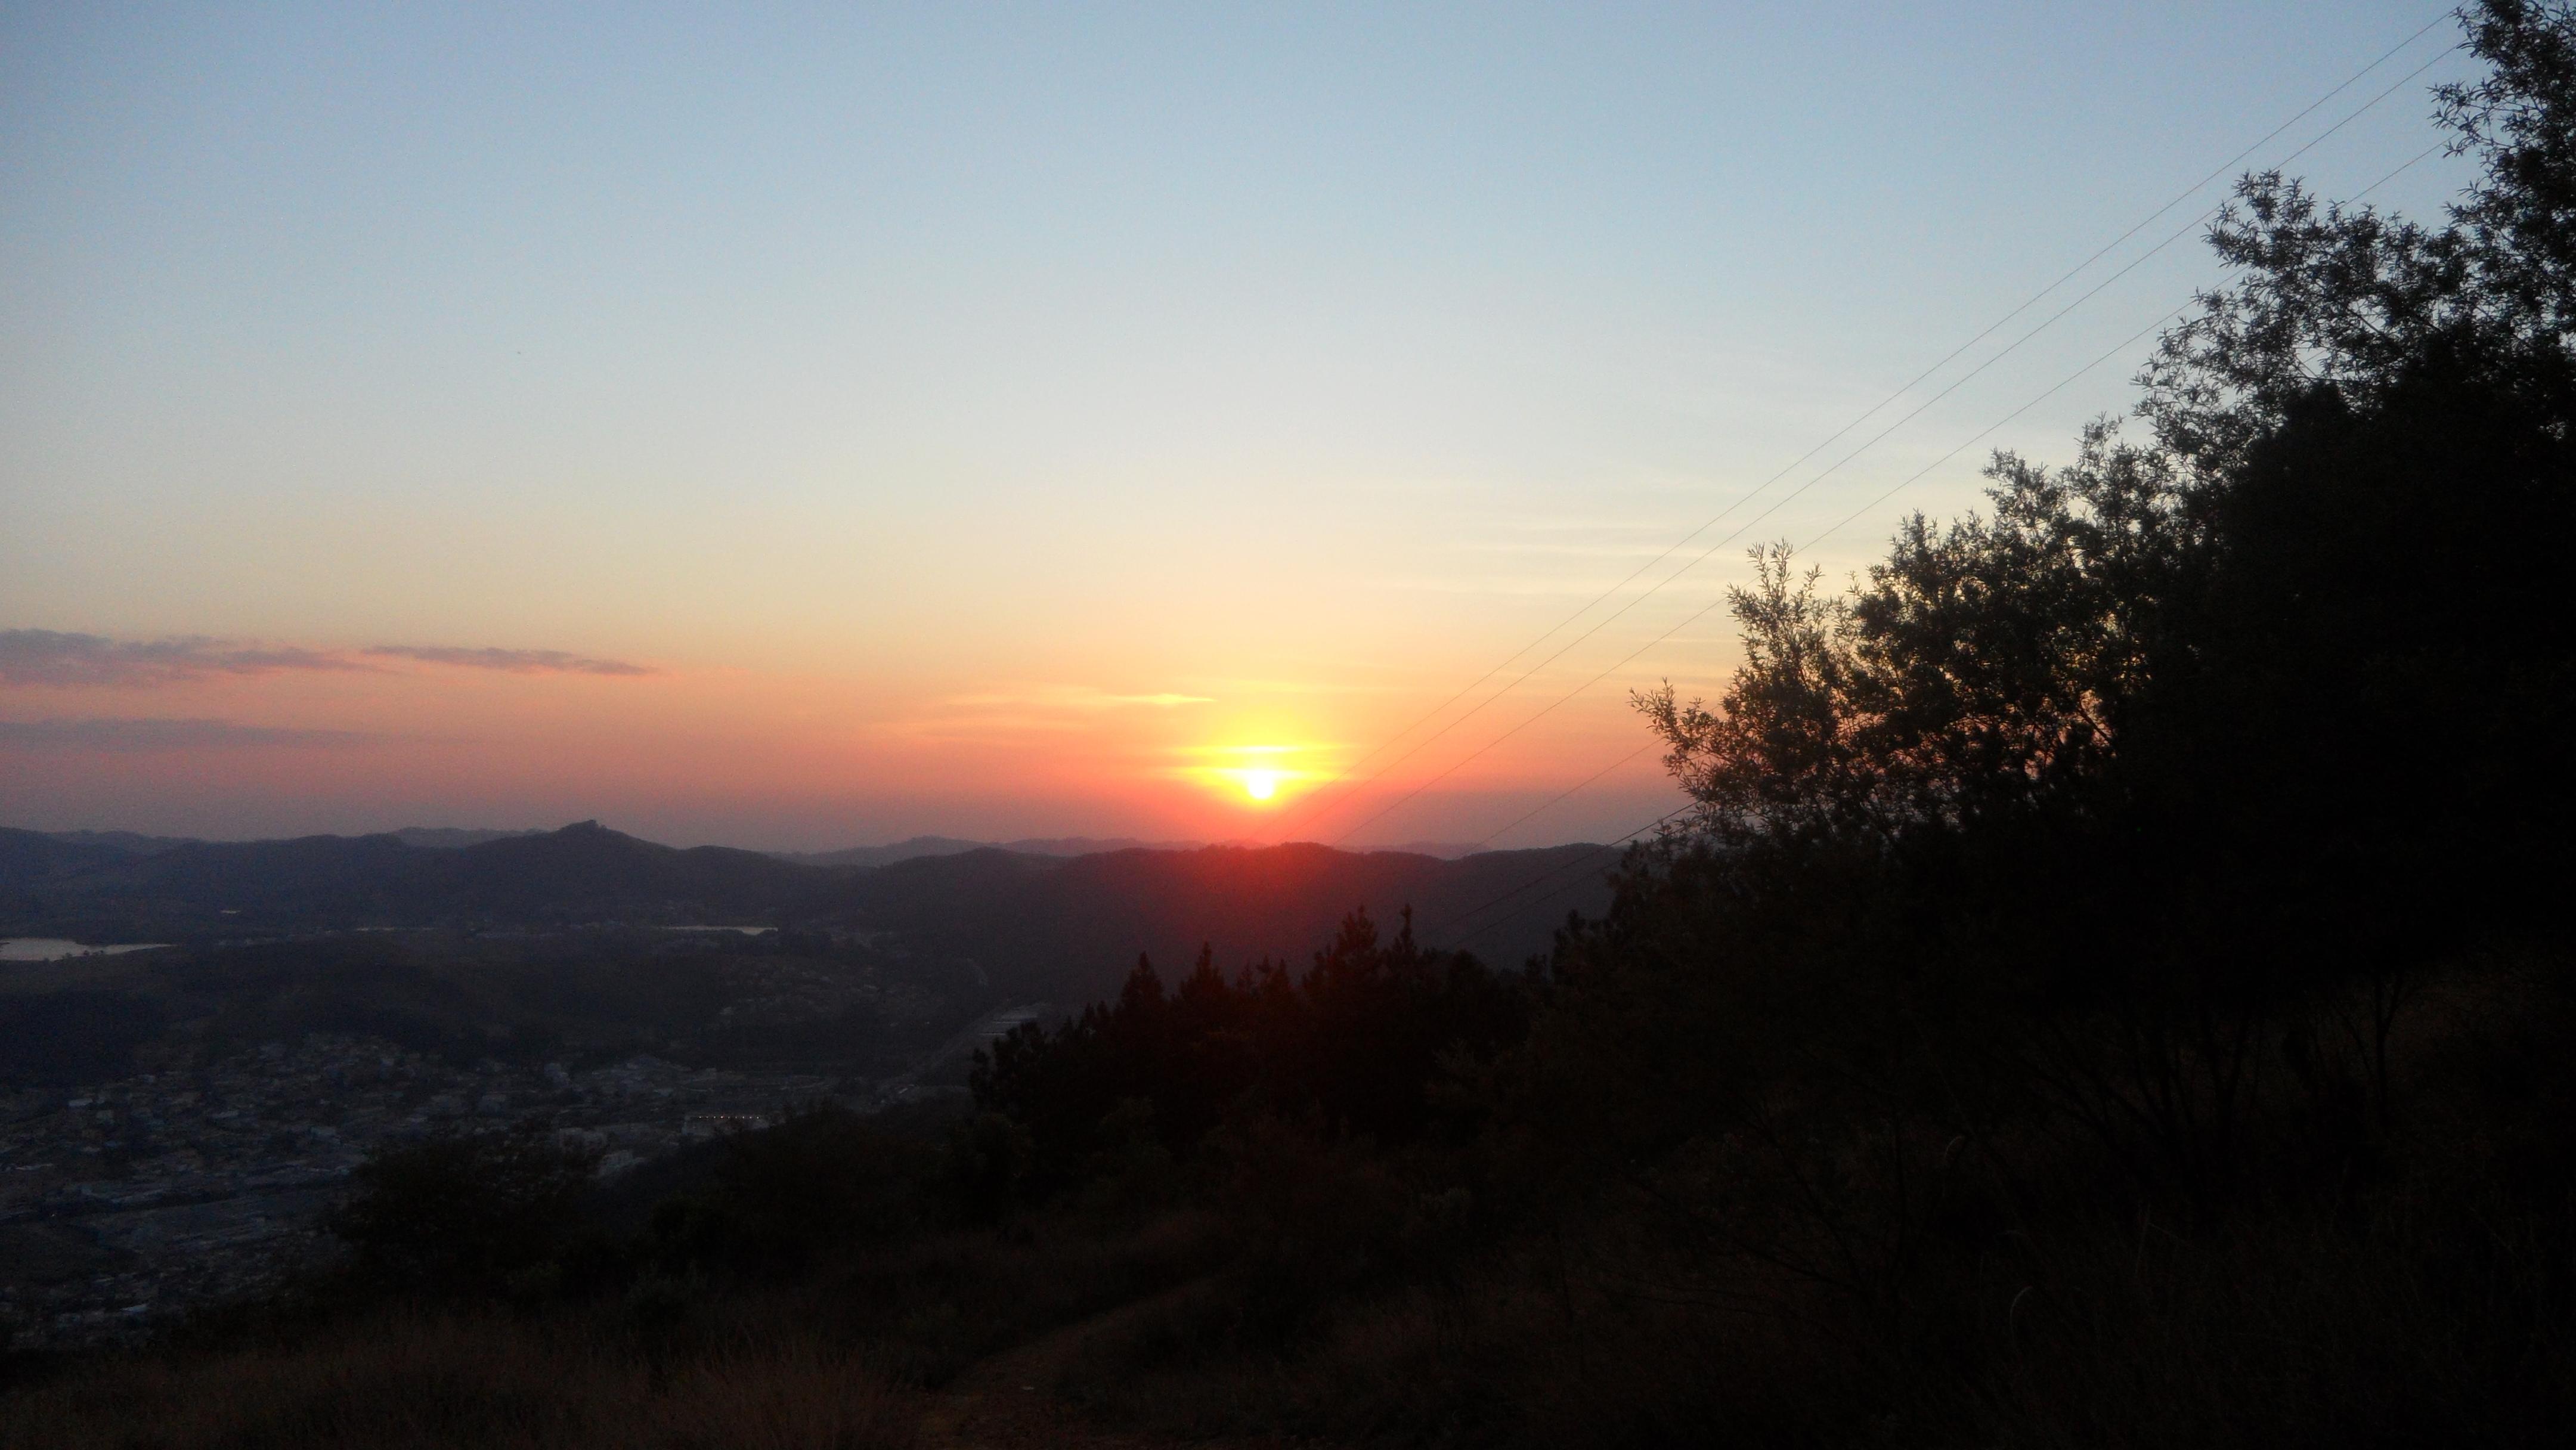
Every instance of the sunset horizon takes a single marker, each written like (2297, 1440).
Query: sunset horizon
(1524, 726)
(800, 433)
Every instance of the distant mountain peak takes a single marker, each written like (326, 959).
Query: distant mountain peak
(921, 846)
(454, 838)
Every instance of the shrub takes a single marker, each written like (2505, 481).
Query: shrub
(463, 1214)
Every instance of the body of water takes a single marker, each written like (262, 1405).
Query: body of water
(54, 948)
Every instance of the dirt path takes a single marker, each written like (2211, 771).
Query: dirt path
(1008, 1402)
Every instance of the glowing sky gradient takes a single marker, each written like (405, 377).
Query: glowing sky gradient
(796, 427)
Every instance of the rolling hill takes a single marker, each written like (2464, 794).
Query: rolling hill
(1060, 927)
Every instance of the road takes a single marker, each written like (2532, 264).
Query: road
(975, 1034)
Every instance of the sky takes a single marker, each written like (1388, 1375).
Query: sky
(797, 427)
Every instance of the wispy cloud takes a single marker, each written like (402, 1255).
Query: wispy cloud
(514, 661)
(1031, 709)
(54, 657)
(151, 735)
(1073, 699)
(62, 658)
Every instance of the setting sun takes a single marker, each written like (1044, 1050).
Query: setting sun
(1253, 776)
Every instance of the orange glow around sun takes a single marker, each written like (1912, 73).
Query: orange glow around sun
(1258, 776)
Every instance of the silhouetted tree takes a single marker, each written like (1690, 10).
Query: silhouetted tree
(779, 1198)
(1355, 1043)
(2188, 741)
(462, 1214)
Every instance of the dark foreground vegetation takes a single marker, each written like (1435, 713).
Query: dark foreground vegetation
(1025, 925)
(2113, 989)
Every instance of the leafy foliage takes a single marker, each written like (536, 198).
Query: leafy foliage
(2113, 988)
(1354, 1043)
(463, 1214)
(2129, 849)
(823, 1178)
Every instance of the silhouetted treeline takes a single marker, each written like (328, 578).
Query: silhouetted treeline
(2112, 988)
(1028, 926)
(1351, 1045)
(2169, 857)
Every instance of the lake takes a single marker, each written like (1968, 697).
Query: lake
(54, 948)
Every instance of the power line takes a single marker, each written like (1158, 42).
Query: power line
(1696, 615)
(1621, 841)
(1578, 863)
(1320, 803)
(1801, 489)
(2403, 167)
(1563, 795)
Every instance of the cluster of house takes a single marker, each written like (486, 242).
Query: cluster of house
(123, 1203)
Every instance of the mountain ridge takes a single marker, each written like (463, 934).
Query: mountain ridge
(1053, 926)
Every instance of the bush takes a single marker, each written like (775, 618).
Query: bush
(464, 1214)
(784, 1196)
(407, 1383)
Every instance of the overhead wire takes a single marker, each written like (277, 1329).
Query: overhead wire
(1586, 859)
(1324, 802)
(1620, 842)
(1697, 614)
(2026, 304)
(1559, 798)
(1848, 518)
(1801, 489)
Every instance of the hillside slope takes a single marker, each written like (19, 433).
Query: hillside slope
(1058, 928)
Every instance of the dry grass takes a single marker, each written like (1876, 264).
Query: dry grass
(834, 1358)
(2290, 1330)
(2428, 1299)
(446, 1381)
(2427, 1296)
(932, 1306)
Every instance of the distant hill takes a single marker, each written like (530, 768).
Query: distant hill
(586, 872)
(920, 846)
(582, 873)
(37, 856)
(1445, 850)
(129, 842)
(1069, 930)
(452, 838)
(1057, 927)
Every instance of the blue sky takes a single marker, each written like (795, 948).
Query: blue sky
(860, 367)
